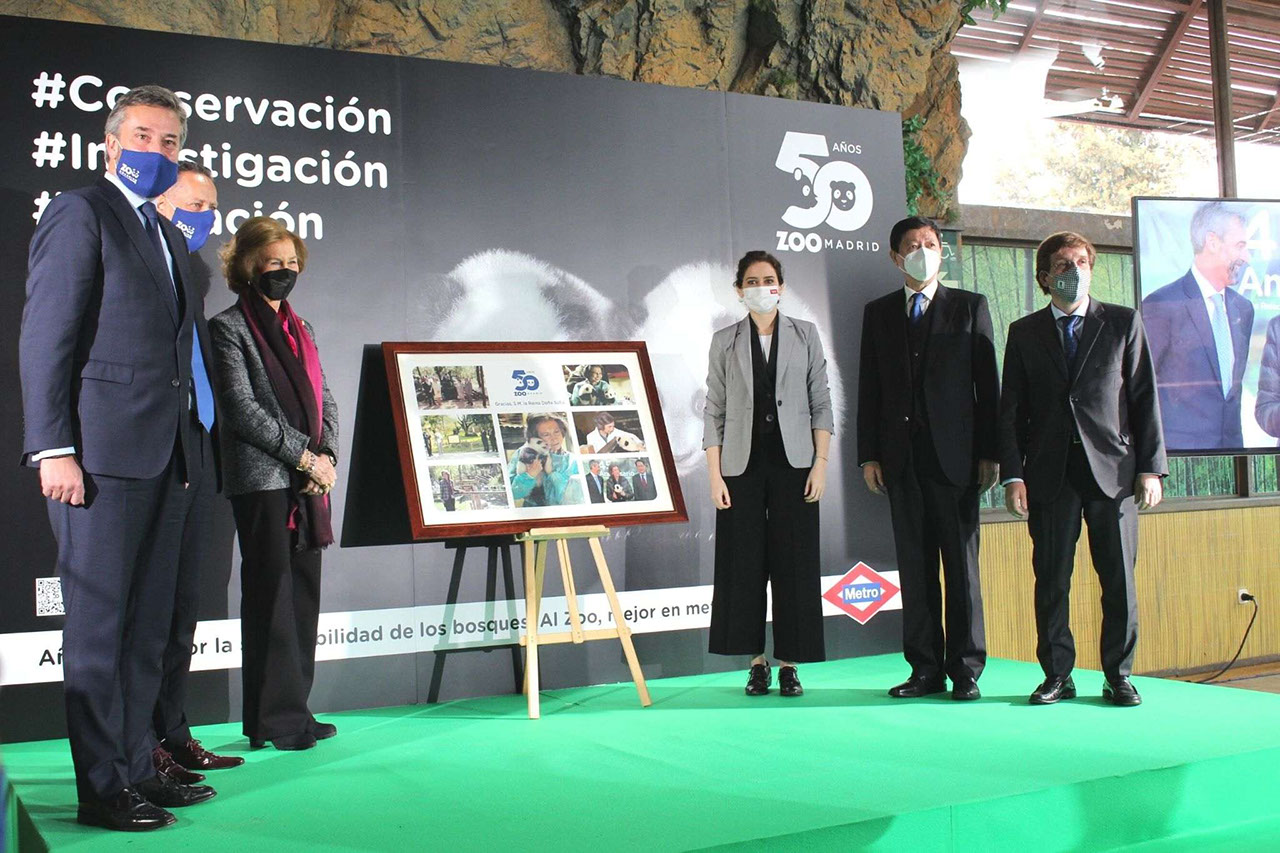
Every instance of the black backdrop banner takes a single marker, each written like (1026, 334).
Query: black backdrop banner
(455, 202)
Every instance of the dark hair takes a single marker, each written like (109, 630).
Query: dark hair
(531, 425)
(643, 462)
(756, 256)
(602, 418)
(1055, 242)
(613, 465)
(586, 371)
(147, 96)
(911, 223)
(241, 256)
(193, 166)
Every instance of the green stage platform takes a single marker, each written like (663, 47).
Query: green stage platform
(842, 768)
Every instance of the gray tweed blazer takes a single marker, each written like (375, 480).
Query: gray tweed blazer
(259, 447)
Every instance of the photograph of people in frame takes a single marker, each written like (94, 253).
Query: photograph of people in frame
(468, 487)
(450, 387)
(620, 479)
(541, 464)
(456, 435)
(613, 431)
(598, 384)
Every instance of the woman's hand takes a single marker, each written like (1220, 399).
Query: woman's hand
(534, 469)
(719, 492)
(322, 473)
(816, 483)
(314, 488)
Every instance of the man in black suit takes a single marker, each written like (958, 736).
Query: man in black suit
(642, 483)
(190, 204)
(1199, 330)
(595, 482)
(1080, 437)
(117, 407)
(927, 407)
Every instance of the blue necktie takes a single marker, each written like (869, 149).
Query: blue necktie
(917, 308)
(1070, 340)
(1222, 340)
(199, 375)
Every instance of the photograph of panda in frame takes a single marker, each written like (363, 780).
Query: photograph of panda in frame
(550, 405)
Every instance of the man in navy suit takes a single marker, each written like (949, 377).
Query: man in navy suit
(1199, 330)
(595, 483)
(642, 483)
(117, 408)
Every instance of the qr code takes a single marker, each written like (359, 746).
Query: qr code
(49, 597)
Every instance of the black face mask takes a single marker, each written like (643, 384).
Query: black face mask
(276, 284)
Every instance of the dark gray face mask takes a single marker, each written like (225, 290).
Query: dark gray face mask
(276, 284)
(1072, 284)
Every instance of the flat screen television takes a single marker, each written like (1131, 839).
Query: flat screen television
(1207, 276)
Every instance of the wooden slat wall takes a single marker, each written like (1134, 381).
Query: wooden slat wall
(1190, 565)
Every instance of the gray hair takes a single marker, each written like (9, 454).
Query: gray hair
(193, 166)
(1212, 218)
(147, 96)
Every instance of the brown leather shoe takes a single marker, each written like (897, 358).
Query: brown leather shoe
(193, 756)
(163, 762)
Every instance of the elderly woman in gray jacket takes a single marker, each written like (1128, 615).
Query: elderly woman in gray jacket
(280, 440)
(768, 425)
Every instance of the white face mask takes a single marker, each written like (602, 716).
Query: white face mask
(1071, 285)
(761, 300)
(922, 264)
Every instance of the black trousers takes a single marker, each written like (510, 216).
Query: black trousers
(768, 536)
(117, 558)
(1113, 544)
(933, 518)
(198, 542)
(279, 611)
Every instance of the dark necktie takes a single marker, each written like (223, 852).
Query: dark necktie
(152, 218)
(1070, 336)
(917, 308)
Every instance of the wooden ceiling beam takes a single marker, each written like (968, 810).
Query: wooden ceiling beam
(1170, 46)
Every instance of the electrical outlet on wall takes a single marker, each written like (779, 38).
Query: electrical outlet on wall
(1243, 595)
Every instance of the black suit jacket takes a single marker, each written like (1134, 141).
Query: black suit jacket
(105, 349)
(1196, 414)
(1109, 398)
(961, 386)
(643, 491)
(594, 489)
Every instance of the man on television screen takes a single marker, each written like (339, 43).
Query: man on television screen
(1199, 330)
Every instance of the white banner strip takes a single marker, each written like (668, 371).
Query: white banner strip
(36, 656)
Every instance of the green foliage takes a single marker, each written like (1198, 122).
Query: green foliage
(997, 7)
(922, 177)
(1089, 167)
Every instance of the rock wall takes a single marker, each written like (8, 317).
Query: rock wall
(883, 54)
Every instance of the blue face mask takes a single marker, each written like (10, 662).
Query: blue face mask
(194, 226)
(147, 173)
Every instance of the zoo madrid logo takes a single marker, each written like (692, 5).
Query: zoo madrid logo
(838, 194)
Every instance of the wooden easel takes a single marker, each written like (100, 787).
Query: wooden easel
(535, 564)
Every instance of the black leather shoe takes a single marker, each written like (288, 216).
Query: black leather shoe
(164, 763)
(1121, 692)
(965, 690)
(1053, 689)
(161, 790)
(193, 756)
(289, 743)
(321, 731)
(919, 685)
(127, 811)
(759, 679)
(789, 682)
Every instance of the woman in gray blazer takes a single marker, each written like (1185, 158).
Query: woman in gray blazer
(768, 425)
(280, 440)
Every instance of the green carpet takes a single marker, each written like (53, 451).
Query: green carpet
(843, 767)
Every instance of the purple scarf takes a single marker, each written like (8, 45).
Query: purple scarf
(293, 366)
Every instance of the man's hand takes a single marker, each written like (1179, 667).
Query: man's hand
(1149, 490)
(874, 477)
(62, 480)
(719, 492)
(988, 473)
(816, 483)
(1015, 499)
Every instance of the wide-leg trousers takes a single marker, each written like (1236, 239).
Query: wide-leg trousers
(279, 612)
(768, 537)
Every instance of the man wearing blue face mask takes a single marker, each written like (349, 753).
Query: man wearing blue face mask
(927, 404)
(191, 205)
(118, 408)
(1080, 437)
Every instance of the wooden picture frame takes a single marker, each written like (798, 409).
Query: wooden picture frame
(500, 437)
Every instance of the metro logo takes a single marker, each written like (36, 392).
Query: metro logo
(861, 593)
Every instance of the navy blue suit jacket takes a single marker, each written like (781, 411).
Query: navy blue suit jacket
(105, 350)
(1196, 413)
